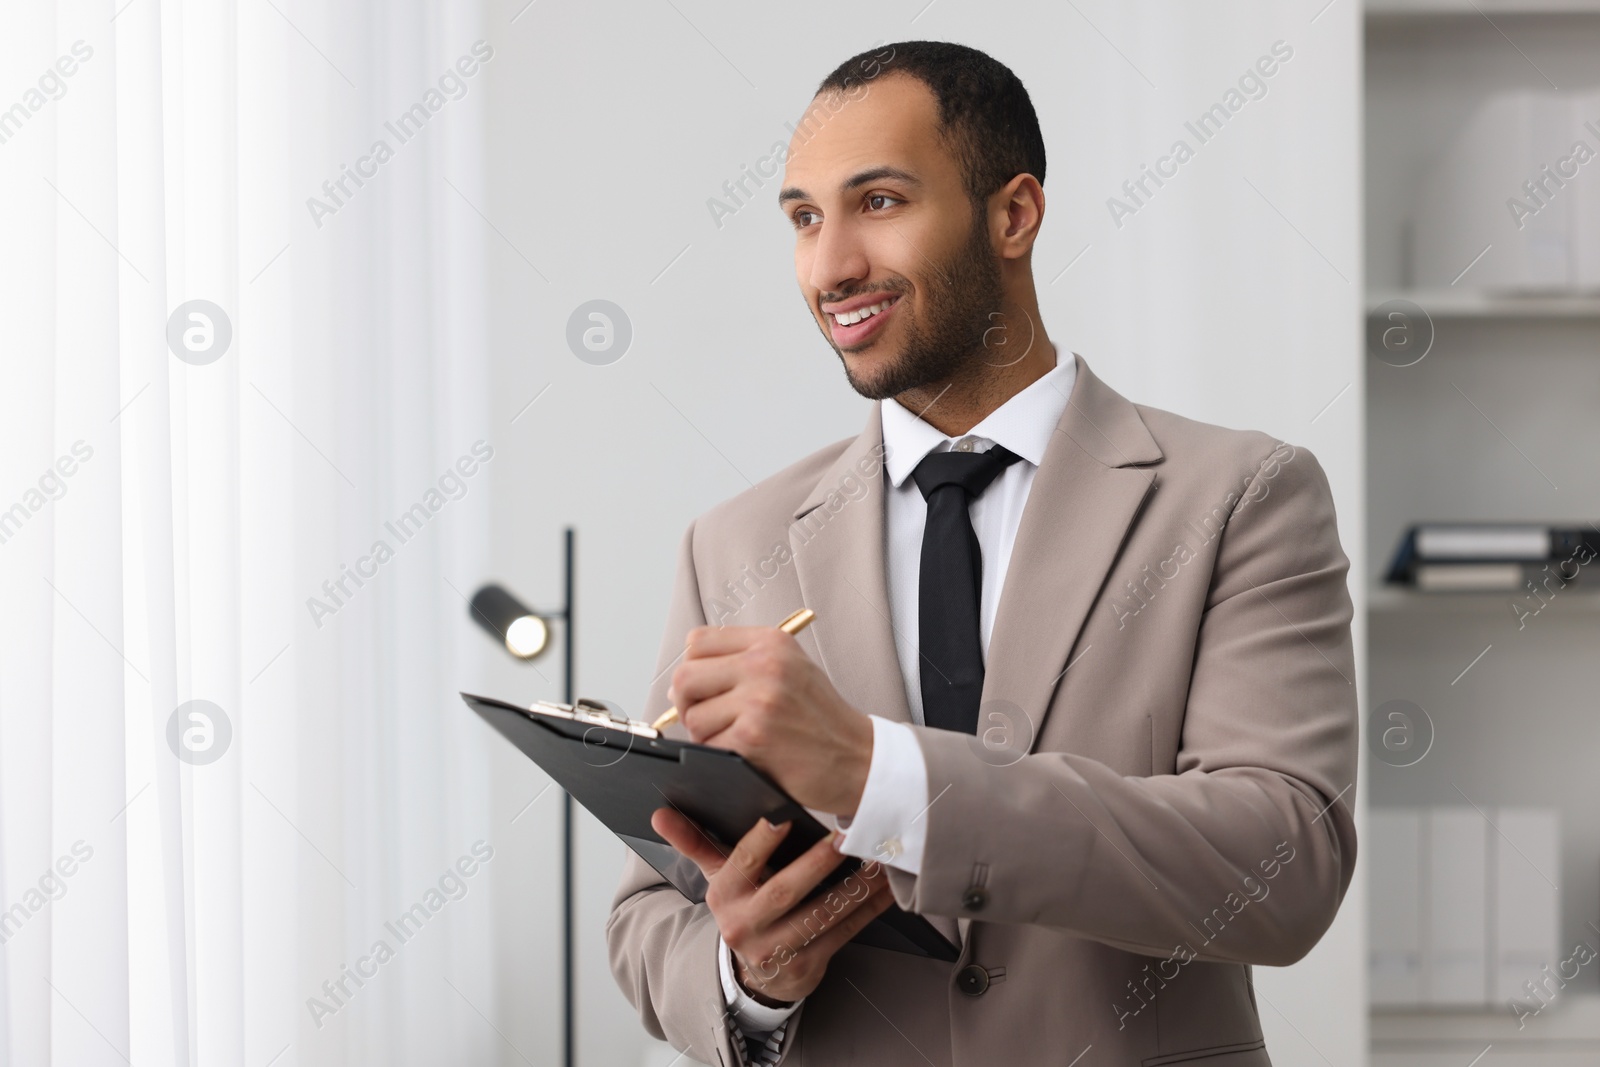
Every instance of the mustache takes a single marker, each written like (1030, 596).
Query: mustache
(839, 298)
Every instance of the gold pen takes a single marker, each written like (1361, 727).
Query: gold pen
(792, 625)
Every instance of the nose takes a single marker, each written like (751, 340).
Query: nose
(838, 259)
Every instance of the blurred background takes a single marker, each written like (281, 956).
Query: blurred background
(316, 318)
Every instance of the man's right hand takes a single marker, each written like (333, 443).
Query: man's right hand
(781, 946)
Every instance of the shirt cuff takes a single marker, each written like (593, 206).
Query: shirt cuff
(753, 1017)
(890, 824)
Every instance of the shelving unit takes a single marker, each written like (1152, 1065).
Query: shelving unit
(1499, 422)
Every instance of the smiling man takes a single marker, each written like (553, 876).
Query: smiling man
(1080, 689)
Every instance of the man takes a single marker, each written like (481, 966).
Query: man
(1080, 686)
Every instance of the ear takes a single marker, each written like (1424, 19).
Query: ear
(1021, 205)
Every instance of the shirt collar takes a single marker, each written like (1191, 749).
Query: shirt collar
(1024, 423)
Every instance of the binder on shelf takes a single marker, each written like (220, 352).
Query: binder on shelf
(1488, 557)
(1473, 577)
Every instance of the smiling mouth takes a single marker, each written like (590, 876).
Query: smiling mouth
(859, 315)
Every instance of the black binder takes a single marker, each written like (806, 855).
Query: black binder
(621, 770)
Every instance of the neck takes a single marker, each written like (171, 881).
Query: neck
(957, 403)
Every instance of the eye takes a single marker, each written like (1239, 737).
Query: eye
(799, 217)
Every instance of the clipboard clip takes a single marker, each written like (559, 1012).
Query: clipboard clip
(595, 713)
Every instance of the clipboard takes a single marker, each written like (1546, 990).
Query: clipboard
(621, 770)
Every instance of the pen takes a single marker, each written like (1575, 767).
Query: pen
(792, 625)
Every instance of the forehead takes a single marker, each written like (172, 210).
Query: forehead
(891, 121)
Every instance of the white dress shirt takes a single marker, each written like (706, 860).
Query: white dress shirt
(888, 825)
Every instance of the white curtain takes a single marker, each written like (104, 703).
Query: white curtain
(177, 528)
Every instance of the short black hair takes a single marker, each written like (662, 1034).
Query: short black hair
(985, 114)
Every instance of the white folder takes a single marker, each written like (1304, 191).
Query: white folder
(1586, 197)
(1456, 968)
(1394, 844)
(1527, 864)
(1464, 200)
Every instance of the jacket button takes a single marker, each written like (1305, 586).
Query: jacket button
(975, 898)
(972, 980)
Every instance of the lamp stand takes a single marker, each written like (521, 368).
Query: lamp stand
(567, 1031)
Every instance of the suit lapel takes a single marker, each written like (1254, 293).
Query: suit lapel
(1085, 496)
(838, 547)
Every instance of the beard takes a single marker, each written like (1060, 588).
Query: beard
(961, 295)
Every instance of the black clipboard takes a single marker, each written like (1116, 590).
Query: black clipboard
(621, 770)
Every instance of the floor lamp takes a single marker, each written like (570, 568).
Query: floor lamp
(526, 634)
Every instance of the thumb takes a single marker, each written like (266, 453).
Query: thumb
(682, 834)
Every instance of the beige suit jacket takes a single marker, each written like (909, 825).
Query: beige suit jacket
(1160, 792)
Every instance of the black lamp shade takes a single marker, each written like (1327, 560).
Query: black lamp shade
(524, 632)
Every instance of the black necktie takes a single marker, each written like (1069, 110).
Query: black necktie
(949, 651)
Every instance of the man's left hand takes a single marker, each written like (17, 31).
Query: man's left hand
(751, 689)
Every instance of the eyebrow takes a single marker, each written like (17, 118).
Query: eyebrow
(855, 181)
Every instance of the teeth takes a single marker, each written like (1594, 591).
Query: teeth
(850, 318)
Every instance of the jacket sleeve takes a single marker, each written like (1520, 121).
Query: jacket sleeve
(1245, 853)
(663, 949)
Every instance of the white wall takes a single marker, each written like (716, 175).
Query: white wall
(1232, 296)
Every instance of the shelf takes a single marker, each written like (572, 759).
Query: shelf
(1389, 598)
(1402, 10)
(1573, 1017)
(1430, 23)
(1475, 304)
